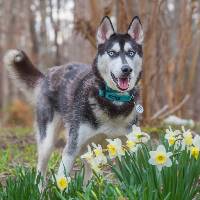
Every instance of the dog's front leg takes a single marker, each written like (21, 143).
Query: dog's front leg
(70, 151)
(78, 137)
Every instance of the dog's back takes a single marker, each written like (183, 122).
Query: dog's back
(51, 92)
(62, 85)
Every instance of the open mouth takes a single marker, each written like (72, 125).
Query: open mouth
(122, 83)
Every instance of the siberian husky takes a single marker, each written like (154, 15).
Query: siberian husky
(89, 100)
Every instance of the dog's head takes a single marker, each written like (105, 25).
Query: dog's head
(119, 56)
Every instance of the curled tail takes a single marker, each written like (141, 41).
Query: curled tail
(22, 71)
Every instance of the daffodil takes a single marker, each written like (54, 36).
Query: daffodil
(95, 165)
(160, 157)
(115, 148)
(195, 152)
(173, 137)
(63, 182)
(131, 144)
(137, 135)
(99, 155)
(196, 141)
(95, 158)
(88, 156)
(187, 139)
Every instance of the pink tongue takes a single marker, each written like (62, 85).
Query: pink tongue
(123, 83)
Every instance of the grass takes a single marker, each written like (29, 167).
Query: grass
(17, 147)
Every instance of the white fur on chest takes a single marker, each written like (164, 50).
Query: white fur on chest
(111, 127)
(120, 122)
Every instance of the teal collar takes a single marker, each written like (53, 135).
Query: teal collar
(114, 95)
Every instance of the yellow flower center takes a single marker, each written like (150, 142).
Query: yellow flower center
(195, 152)
(130, 144)
(97, 152)
(188, 139)
(160, 158)
(62, 183)
(112, 149)
(172, 140)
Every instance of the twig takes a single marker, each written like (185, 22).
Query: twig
(185, 99)
(160, 112)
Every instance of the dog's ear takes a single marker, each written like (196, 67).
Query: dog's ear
(105, 30)
(135, 30)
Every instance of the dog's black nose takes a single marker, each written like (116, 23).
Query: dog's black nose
(126, 69)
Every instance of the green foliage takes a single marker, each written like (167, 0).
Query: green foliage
(131, 177)
(24, 186)
(140, 180)
(134, 178)
(20, 187)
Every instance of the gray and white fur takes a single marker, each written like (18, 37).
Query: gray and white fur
(69, 94)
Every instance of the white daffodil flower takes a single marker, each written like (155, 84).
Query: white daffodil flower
(88, 156)
(196, 141)
(137, 135)
(93, 160)
(160, 157)
(170, 137)
(99, 155)
(131, 144)
(173, 137)
(63, 182)
(95, 165)
(115, 148)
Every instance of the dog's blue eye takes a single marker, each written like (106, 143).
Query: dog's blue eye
(131, 53)
(112, 53)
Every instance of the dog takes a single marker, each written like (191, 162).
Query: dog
(90, 100)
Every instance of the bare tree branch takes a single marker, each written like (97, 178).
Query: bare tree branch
(176, 108)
